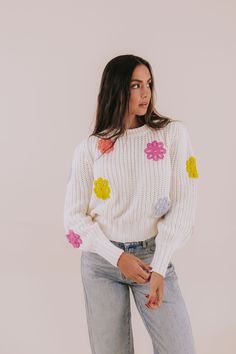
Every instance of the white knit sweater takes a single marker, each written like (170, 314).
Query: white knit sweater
(143, 185)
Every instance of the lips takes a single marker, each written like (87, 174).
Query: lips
(143, 104)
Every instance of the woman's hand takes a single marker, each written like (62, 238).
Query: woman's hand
(156, 291)
(134, 268)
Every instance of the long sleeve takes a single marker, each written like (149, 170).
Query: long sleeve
(176, 227)
(81, 230)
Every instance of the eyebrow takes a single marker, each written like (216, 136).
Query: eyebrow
(140, 80)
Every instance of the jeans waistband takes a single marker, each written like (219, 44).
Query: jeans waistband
(135, 244)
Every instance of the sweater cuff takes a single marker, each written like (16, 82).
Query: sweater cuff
(103, 246)
(162, 257)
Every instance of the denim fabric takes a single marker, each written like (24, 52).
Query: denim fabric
(107, 302)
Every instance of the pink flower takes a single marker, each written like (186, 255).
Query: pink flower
(155, 150)
(74, 238)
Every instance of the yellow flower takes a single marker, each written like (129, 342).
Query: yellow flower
(101, 188)
(191, 167)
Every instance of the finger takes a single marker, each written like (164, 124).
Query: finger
(154, 302)
(158, 301)
(144, 265)
(151, 297)
(140, 279)
(152, 305)
(154, 298)
(144, 274)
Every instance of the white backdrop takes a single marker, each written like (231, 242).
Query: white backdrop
(52, 57)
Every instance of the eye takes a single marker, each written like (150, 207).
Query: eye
(149, 85)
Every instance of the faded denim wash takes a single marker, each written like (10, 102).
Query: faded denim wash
(107, 302)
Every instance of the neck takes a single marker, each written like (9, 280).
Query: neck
(133, 123)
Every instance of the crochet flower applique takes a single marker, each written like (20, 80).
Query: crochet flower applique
(162, 206)
(155, 150)
(105, 145)
(74, 239)
(101, 188)
(191, 167)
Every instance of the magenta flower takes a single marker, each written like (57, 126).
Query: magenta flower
(155, 150)
(74, 238)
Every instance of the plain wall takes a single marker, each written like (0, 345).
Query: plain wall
(52, 57)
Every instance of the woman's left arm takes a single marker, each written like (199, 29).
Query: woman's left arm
(176, 227)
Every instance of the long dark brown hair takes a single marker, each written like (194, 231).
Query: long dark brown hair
(114, 95)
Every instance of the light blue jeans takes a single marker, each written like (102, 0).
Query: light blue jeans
(107, 302)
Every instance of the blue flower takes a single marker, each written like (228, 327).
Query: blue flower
(162, 206)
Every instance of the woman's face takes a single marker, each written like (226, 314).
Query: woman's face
(140, 90)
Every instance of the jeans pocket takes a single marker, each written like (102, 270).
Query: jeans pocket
(170, 272)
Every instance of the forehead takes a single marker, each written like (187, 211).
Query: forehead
(141, 72)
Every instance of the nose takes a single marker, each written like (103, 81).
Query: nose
(145, 92)
(144, 96)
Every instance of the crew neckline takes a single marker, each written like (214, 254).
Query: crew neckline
(136, 131)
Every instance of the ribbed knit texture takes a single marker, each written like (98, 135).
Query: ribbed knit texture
(131, 194)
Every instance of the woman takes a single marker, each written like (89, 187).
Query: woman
(130, 202)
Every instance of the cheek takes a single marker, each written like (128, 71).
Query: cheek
(134, 99)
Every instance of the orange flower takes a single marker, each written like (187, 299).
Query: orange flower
(105, 145)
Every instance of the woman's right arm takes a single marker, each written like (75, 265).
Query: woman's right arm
(81, 231)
